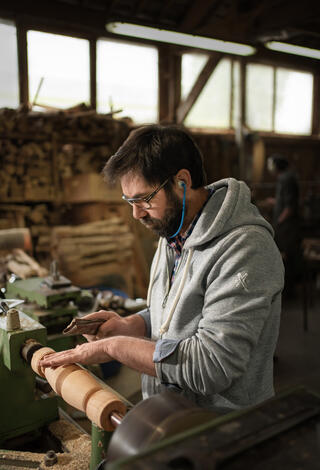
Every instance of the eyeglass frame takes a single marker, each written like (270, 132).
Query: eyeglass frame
(147, 198)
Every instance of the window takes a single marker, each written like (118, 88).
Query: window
(278, 99)
(213, 106)
(63, 63)
(259, 97)
(9, 81)
(191, 66)
(294, 102)
(127, 80)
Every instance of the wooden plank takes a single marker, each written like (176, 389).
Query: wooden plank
(185, 107)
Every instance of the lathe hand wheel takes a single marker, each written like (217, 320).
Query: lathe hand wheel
(152, 420)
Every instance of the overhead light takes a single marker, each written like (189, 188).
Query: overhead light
(292, 49)
(182, 39)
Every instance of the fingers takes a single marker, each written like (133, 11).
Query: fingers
(101, 314)
(90, 338)
(87, 353)
(58, 359)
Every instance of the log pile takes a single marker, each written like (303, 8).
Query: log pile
(18, 262)
(51, 164)
(97, 253)
(38, 150)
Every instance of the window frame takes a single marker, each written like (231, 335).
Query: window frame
(92, 35)
(289, 68)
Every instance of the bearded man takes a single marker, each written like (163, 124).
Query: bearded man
(214, 299)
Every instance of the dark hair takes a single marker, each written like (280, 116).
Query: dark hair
(280, 162)
(157, 152)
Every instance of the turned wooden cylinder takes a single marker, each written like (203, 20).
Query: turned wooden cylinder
(81, 390)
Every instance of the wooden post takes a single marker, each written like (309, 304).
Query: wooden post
(315, 103)
(242, 120)
(93, 73)
(23, 63)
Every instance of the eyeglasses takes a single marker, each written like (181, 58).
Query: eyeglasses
(144, 202)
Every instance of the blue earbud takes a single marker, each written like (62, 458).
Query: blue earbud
(182, 184)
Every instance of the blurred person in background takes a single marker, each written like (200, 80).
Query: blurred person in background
(286, 220)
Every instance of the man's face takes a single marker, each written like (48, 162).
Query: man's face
(164, 215)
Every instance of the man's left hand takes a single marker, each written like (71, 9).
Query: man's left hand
(87, 353)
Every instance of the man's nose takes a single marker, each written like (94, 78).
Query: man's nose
(138, 212)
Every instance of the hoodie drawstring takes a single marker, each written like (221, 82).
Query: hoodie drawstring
(153, 274)
(165, 326)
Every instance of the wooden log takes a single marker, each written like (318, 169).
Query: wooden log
(81, 390)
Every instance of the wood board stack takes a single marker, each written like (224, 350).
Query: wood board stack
(18, 262)
(38, 150)
(96, 254)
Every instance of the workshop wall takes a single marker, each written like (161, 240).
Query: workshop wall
(51, 164)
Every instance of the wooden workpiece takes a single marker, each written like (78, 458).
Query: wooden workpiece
(81, 390)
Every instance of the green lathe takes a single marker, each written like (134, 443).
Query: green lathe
(52, 301)
(22, 412)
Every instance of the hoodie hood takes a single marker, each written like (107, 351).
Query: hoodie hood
(229, 207)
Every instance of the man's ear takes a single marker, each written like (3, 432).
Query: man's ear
(183, 179)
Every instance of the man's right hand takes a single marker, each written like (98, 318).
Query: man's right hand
(115, 325)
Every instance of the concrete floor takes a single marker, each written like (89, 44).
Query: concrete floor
(298, 352)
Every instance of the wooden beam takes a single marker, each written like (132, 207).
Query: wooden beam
(57, 12)
(268, 57)
(93, 73)
(163, 79)
(185, 107)
(242, 122)
(315, 102)
(194, 16)
(23, 64)
(175, 86)
(169, 82)
(274, 99)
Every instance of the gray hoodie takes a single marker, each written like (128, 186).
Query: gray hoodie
(217, 325)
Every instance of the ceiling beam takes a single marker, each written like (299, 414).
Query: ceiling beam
(185, 107)
(56, 11)
(194, 16)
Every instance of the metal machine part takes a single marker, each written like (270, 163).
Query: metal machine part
(153, 420)
(9, 303)
(55, 280)
(50, 301)
(282, 433)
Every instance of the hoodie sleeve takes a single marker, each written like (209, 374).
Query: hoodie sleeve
(243, 281)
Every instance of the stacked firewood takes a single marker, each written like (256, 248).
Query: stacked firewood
(21, 264)
(91, 254)
(79, 125)
(38, 150)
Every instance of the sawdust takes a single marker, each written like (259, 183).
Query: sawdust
(76, 445)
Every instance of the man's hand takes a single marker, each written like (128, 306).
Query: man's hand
(116, 325)
(88, 353)
(136, 353)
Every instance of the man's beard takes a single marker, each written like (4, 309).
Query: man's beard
(170, 222)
